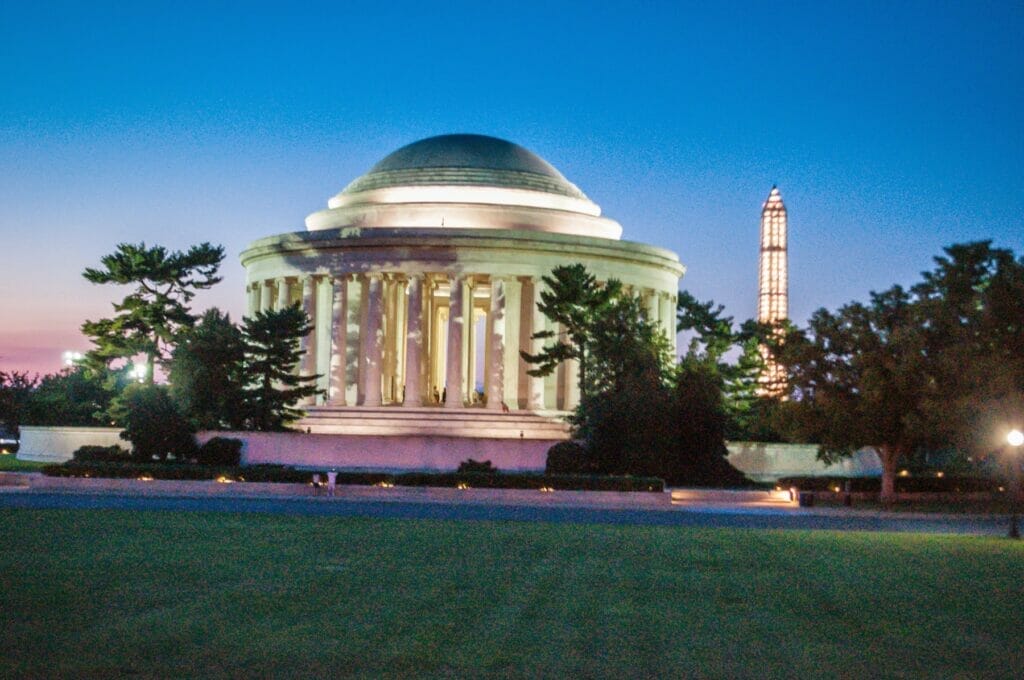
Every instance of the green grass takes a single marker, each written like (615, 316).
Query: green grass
(10, 463)
(110, 593)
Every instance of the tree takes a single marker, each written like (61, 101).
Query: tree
(572, 300)
(271, 354)
(149, 318)
(16, 389)
(859, 378)
(207, 373)
(973, 301)
(713, 337)
(73, 396)
(154, 426)
(698, 451)
(914, 371)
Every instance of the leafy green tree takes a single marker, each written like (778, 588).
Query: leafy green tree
(860, 377)
(16, 390)
(73, 396)
(148, 319)
(271, 355)
(914, 371)
(973, 301)
(207, 373)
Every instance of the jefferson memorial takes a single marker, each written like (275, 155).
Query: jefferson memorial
(422, 279)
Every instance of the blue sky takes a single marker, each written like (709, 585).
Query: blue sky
(892, 129)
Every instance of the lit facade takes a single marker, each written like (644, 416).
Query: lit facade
(773, 286)
(422, 278)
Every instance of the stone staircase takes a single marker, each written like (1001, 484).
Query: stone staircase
(396, 421)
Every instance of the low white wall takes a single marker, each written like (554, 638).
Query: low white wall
(768, 462)
(759, 461)
(370, 452)
(57, 444)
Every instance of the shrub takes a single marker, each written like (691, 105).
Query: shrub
(154, 425)
(476, 466)
(220, 451)
(918, 484)
(568, 458)
(101, 454)
(280, 473)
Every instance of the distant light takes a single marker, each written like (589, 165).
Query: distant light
(71, 358)
(1015, 438)
(940, 473)
(904, 473)
(139, 372)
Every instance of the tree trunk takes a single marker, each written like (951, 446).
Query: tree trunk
(890, 457)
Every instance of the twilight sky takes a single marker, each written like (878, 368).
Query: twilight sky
(892, 130)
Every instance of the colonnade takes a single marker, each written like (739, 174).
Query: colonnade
(422, 339)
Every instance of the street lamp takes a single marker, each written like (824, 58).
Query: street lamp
(71, 358)
(1014, 438)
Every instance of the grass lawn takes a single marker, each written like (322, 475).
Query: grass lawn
(111, 593)
(10, 463)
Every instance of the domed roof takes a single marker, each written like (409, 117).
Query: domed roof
(465, 160)
(464, 182)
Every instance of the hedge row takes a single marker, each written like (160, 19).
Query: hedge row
(179, 471)
(933, 484)
(280, 473)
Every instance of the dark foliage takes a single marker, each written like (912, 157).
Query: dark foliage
(275, 473)
(220, 451)
(154, 425)
(271, 354)
(477, 466)
(101, 454)
(569, 458)
(207, 373)
(912, 484)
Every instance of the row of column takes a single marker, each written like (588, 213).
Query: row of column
(388, 338)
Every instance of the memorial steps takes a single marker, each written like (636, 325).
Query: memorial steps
(400, 421)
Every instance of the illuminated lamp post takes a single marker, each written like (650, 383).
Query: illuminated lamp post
(1014, 438)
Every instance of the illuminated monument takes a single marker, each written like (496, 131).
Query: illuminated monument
(772, 296)
(422, 279)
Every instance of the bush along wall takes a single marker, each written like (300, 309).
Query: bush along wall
(279, 473)
(930, 484)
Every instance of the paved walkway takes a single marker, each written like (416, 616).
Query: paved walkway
(498, 505)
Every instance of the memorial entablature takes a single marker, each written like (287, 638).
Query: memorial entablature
(422, 277)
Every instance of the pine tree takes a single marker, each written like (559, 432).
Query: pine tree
(272, 353)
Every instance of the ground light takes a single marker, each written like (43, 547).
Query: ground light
(1014, 438)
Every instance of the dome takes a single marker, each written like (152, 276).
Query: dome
(464, 181)
(465, 160)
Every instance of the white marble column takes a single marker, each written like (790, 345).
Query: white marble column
(494, 378)
(572, 385)
(535, 392)
(651, 306)
(668, 318)
(339, 340)
(252, 299)
(284, 294)
(266, 295)
(307, 343)
(370, 362)
(469, 347)
(323, 292)
(414, 343)
(513, 302)
(456, 329)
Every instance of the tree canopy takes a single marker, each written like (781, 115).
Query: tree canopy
(939, 364)
(148, 319)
